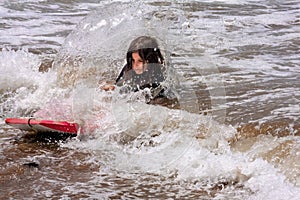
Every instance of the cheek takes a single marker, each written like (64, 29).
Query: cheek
(138, 65)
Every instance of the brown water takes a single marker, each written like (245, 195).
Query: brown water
(236, 71)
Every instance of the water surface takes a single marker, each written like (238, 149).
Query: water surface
(233, 65)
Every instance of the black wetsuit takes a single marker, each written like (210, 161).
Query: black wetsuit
(151, 78)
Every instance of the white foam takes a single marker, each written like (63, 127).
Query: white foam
(28, 89)
(18, 68)
(165, 143)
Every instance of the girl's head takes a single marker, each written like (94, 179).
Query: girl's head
(141, 51)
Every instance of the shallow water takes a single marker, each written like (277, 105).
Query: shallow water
(233, 65)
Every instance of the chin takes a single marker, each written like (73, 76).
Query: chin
(138, 72)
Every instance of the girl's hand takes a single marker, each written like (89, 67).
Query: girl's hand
(107, 87)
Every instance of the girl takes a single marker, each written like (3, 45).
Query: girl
(144, 67)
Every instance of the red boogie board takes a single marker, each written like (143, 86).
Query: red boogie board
(31, 124)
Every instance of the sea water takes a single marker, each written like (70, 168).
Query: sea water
(232, 65)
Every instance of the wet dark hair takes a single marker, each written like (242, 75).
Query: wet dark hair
(147, 48)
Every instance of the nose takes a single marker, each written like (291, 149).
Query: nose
(134, 64)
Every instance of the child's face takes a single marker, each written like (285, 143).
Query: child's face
(138, 64)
